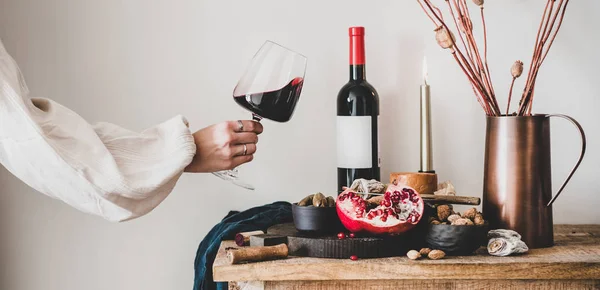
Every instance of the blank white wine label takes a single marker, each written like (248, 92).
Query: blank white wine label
(354, 144)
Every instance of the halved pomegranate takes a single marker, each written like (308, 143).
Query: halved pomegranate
(398, 211)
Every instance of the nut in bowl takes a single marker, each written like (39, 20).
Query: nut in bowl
(316, 213)
(456, 233)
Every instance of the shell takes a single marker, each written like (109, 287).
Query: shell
(478, 2)
(367, 186)
(505, 242)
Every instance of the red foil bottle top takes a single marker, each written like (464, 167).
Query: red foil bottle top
(357, 45)
(356, 31)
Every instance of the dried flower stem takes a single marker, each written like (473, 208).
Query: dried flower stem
(485, 50)
(510, 94)
(458, 28)
(475, 67)
(548, 20)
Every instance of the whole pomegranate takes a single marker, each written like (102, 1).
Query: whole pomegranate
(400, 210)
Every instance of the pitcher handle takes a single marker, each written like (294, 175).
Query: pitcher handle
(583, 145)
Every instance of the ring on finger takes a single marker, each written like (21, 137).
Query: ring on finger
(245, 150)
(241, 126)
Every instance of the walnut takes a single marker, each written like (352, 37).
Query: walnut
(453, 217)
(425, 251)
(413, 255)
(470, 213)
(443, 212)
(478, 220)
(436, 254)
(462, 222)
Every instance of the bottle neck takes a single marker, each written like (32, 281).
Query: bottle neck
(358, 72)
(357, 57)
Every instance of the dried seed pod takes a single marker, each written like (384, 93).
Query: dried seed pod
(470, 213)
(465, 25)
(443, 212)
(436, 254)
(478, 220)
(517, 69)
(444, 37)
(462, 222)
(319, 200)
(425, 251)
(413, 255)
(306, 201)
(478, 2)
(453, 218)
(330, 201)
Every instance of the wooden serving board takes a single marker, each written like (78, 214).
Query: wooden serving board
(329, 246)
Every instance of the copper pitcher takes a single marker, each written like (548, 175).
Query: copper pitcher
(517, 184)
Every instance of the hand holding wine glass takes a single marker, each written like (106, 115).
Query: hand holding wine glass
(270, 88)
(225, 145)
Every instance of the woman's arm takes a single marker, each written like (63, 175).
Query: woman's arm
(104, 169)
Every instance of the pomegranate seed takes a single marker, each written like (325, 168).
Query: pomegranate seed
(390, 211)
(379, 212)
(342, 197)
(387, 203)
(384, 218)
(387, 194)
(341, 235)
(351, 235)
(354, 257)
(413, 218)
(350, 194)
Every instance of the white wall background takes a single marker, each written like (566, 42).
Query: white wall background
(139, 62)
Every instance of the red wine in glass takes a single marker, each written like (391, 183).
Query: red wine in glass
(277, 105)
(269, 88)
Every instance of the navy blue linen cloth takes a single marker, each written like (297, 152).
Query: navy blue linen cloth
(253, 219)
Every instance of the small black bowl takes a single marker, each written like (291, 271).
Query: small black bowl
(320, 220)
(456, 240)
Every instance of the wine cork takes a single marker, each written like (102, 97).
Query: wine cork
(256, 254)
(423, 183)
(243, 239)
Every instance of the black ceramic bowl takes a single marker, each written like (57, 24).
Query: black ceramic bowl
(456, 240)
(320, 220)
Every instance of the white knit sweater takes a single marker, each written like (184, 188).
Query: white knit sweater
(101, 169)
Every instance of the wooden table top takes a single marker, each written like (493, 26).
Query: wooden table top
(576, 255)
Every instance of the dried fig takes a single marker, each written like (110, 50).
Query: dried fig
(330, 201)
(306, 201)
(319, 200)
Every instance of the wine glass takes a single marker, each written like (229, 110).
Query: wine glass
(270, 88)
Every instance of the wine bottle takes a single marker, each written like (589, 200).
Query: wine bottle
(357, 120)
